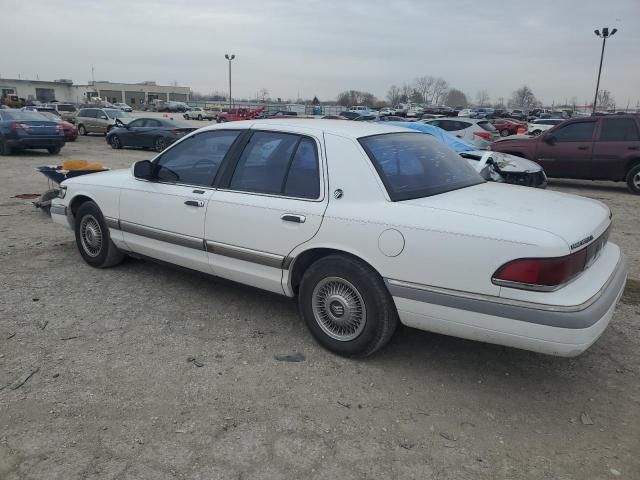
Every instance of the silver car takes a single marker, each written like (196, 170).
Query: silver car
(477, 131)
(100, 120)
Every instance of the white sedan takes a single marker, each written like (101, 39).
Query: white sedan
(367, 226)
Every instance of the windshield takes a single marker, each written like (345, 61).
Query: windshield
(414, 165)
(66, 108)
(117, 114)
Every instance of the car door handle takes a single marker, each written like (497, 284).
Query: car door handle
(583, 148)
(194, 203)
(291, 217)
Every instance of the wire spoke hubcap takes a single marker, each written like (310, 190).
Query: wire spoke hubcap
(636, 180)
(339, 309)
(91, 235)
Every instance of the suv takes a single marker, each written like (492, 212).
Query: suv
(198, 113)
(100, 120)
(67, 111)
(594, 148)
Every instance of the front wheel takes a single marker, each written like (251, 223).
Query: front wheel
(221, 120)
(54, 150)
(186, 117)
(93, 239)
(159, 144)
(82, 130)
(115, 142)
(504, 133)
(633, 180)
(200, 117)
(346, 306)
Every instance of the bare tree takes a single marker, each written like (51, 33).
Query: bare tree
(393, 95)
(523, 98)
(263, 93)
(407, 91)
(424, 85)
(482, 97)
(456, 98)
(439, 90)
(605, 100)
(356, 97)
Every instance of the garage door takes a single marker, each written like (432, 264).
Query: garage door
(113, 96)
(45, 95)
(134, 98)
(178, 97)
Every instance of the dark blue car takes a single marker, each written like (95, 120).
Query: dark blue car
(155, 133)
(21, 129)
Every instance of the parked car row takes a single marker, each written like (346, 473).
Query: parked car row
(24, 129)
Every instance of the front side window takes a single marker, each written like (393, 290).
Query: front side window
(137, 123)
(196, 160)
(575, 132)
(414, 165)
(619, 130)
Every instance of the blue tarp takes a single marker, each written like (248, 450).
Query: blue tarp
(449, 140)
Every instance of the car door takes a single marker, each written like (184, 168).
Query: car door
(145, 134)
(271, 201)
(128, 134)
(565, 151)
(89, 119)
(164, 218)
(618, 141)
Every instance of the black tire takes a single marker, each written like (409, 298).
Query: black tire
(221, 120)
(93, 239)
(200, 117)
(82, 130)
(115, 142)
(186, 117)
(504, 133)
(108, 130)
(5, 149)
(633, 179)
(54, 150)
(368, 294)
(159, 144)
(535, 133)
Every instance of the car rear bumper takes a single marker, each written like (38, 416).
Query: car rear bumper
(548, 329)
(36, 142)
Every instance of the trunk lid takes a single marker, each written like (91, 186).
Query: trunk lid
(570, 217)
(40, 127)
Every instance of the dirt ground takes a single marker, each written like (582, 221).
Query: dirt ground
(95, 381)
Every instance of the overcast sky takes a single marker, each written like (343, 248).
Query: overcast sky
(321, 47)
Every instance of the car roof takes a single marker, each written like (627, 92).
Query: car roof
(461, 119)
(343, 128)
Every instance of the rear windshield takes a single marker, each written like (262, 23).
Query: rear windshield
(414, 165)
(66, 108)
(23, 115)
(487, 126)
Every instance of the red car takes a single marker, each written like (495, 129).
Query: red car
(508, 126)
(70, 130)
(592, 148)
(238, 114)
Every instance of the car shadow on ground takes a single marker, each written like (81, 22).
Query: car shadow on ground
(611, 187)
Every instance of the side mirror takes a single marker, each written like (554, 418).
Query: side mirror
(143, 170)
(550, 139)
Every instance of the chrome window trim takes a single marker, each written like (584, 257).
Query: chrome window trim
(273, 195)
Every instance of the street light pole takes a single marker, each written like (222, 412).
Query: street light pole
(605, 34)
(229, 58)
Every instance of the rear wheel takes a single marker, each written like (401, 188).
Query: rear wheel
(535, 133)
(346, 306)
(186, 117)
(221, 120)
(633, 179)
(200, 117)
(115, 142)
(82, 130)
(504, 133)
(159, 144)
(92, 238)
(54, 150)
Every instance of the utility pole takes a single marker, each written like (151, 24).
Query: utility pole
(229, 58)
(605, 34)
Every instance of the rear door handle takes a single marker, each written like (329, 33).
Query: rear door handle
(292, 217)
(583, 148)
(194, 203)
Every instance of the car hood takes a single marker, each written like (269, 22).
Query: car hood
(505, 161)
(569, 217)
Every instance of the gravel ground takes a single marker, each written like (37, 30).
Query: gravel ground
(112, 394)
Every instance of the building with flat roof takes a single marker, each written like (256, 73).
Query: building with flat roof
(64, 90)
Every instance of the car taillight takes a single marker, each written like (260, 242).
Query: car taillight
(541, 273)
(19, 126)
(485, 135)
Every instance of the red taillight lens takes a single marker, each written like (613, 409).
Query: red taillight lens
(485, 135)
(541, 273)
(19, 126)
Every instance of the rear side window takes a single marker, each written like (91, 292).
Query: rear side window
(279, 164)
(487, 126)
(414, 165)
(66, 108)
(619, 130)
(575, 132)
